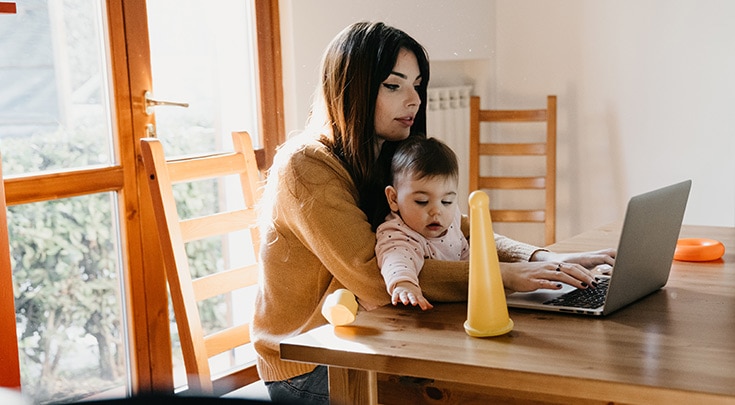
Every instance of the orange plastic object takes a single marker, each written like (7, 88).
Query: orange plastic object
(8, 7)
(698, 250)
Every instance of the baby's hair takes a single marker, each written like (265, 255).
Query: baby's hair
(420, 157)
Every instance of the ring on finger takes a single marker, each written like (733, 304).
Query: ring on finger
(558, 267)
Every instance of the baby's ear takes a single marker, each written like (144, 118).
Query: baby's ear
(392, 196)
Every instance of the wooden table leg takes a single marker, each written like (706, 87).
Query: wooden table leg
(352, 387)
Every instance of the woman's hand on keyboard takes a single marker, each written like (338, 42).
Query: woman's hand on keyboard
(531, 276)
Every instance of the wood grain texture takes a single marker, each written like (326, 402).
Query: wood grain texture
(674, 346)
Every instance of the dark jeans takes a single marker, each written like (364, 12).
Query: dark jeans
(310, 388)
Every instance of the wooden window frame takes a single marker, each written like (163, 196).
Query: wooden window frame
(149, 344)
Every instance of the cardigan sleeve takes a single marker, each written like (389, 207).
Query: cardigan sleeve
(318, 204)
(509, 250)
(447, 281)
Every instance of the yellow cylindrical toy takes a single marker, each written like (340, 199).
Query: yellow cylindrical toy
(487, 310)
(340, 307)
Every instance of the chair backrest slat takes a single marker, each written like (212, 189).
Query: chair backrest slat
(216, 284)
(222, 341)
(205, 167)
(217, 224)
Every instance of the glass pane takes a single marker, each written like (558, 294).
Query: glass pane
(54, 103)
(68, 298)
(55, 114)
(202, 54)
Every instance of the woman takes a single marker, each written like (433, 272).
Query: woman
(324, 198)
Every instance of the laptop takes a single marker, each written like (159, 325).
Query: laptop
(642, 264)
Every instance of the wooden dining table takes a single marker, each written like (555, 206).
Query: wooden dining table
(676, 345)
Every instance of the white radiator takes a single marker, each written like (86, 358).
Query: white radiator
(448, 119)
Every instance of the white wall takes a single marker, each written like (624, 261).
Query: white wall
(308, 25)
(646, 87)
(646, 97)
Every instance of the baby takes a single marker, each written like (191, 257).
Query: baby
(424, 222)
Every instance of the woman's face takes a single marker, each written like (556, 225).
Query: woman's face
(398, 100)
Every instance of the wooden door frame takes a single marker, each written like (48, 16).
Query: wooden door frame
(268, 38)
(150, 345)
(10, 372)
(147, 304)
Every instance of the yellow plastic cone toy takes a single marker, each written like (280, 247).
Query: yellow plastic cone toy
(340, 307)
(487, 311)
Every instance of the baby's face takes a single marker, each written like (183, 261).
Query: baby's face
(427, 205)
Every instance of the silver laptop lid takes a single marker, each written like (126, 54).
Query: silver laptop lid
(647, 243)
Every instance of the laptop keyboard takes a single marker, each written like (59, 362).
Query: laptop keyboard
(589, 298)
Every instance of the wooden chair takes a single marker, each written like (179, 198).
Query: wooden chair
(187, 290)
(545, 148)
(10, 372)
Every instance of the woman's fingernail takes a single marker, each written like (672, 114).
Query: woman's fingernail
(584, 284)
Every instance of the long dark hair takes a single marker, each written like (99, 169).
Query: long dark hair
(354, 65)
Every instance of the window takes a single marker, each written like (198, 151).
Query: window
(73, 74)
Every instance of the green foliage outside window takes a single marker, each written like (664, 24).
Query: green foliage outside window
(71, 326)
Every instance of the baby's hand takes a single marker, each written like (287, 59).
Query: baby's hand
(409, 293)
